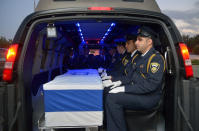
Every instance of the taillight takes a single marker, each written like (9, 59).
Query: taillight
(186, 59)
(100, 8)
(9, 64)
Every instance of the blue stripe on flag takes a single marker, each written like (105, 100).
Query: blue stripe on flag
(73, 100)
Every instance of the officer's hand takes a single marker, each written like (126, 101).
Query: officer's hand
(107, 83)
(106, 78)
(103, 74)
(117, 83)
(117, 89)
(100, 70)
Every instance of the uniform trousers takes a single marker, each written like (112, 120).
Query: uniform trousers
(116, 103)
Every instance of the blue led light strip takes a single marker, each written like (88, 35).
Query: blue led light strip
(80, 32)
(107, 32)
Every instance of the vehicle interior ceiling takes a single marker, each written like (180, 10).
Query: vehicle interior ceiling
(50, 55)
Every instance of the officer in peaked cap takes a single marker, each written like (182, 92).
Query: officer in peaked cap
(120, 62)
(147, 32)
(116, 78)
(145, 89)
(127, 60)
(130, 37)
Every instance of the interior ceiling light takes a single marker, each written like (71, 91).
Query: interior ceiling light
(80, 32)
(107, 32)
(51, 31)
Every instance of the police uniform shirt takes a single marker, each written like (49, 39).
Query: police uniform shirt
(126, 77)
(148, 74)
(129, 68)
(120, 65)
(125, 59)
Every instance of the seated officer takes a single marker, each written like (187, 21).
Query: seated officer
(125, 77)
(113, 57)
(144, 91)
(121, 61)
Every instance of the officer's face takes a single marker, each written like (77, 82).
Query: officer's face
(143, 44)
(120, 49)
(130, 46)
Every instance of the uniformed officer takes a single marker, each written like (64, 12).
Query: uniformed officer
(113, 57)
(131, 48)
(125, 77)
(121, 61)
(144, 90)
(121, 77)
(103, 58)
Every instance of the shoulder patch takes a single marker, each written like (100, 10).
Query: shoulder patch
(154, 66)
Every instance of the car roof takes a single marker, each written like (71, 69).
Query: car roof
(149, 5)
